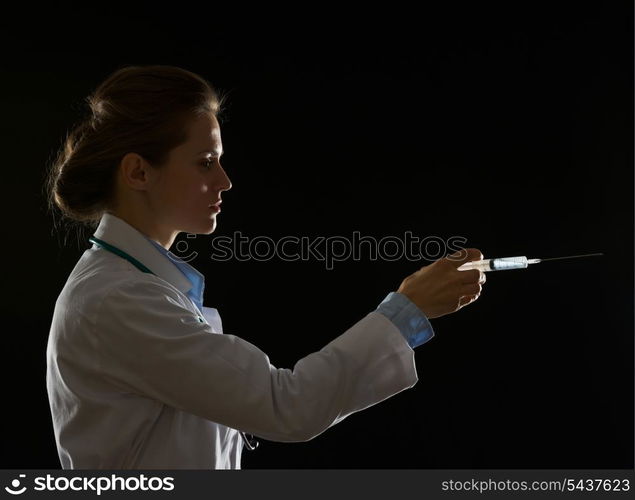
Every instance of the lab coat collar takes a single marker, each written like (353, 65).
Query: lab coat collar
(119, 233)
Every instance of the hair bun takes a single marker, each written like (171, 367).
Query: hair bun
(96, 105)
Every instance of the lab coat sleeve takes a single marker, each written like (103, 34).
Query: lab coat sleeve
(150, 344)
(412, 323)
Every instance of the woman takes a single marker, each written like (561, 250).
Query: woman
(139, 373)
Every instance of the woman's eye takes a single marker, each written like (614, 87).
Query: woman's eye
(207, 163)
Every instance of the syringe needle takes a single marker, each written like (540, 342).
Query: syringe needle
(572, 256)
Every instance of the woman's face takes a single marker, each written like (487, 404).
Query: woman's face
(193, 179)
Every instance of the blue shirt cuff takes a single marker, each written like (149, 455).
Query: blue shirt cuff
(407, 317)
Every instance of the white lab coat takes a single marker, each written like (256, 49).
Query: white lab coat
(137, 379)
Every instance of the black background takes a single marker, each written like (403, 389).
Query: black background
(508, 126)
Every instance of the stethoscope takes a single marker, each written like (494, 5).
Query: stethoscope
(250, 442)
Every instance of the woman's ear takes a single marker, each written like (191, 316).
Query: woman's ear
(135, 172)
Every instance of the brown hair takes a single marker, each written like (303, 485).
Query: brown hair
(141, 109)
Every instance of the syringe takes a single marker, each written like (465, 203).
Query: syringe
(505, 263)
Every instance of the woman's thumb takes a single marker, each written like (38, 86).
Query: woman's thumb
(465, 255)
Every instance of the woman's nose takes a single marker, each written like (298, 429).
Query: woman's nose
(224, 183)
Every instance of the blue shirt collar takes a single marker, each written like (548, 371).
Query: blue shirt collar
(197, 279)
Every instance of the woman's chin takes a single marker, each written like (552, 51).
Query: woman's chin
(208, 227)
(211, 226)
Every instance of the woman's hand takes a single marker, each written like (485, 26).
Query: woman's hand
(440, 288)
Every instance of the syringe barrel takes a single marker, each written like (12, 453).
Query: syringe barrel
(500, 264)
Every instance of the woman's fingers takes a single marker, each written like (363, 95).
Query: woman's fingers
(466, 300)
(471, 289)
(472, 276)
